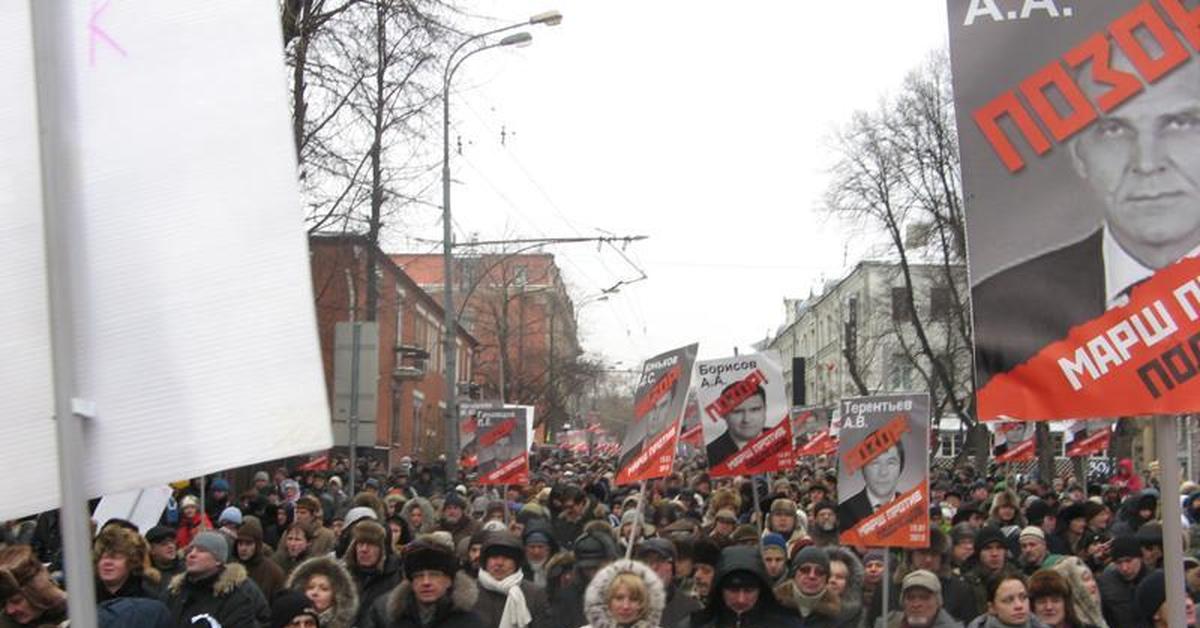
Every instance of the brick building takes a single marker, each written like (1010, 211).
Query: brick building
(518, 307)
(409, 396)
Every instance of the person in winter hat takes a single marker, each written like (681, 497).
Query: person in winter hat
(741, 595)
(1085, 593)
(660, 555)
(420, 516)
(329, 588)
(435, 594)
(293, 609)
(251, 553)
(455, 518)
(592, 551)
(1151, 600)
(624, 594)
(506, 599)
(122, 561)
(191, 521)
(846, 580)
(31, 597)
(213, 588)
(920, 604)
(808, 592)
(375, 568)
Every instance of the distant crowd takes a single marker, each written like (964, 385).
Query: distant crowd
(570, 549)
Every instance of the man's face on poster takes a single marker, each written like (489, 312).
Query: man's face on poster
(746, 421)
(1142, 160)
(883, 473)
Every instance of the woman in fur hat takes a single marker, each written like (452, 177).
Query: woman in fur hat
(420, 516)
(624, 594)
(122, 561)
(329, 587)
(846, 580)
(31, 597)
(1085, 592)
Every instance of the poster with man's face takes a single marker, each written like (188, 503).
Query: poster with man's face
(743, 415)
(1013, 441)
(648, 444)
(502, 445)
(883, 471)
(812, 428)
(468, 423)
(1088, 438)
(1079, 130)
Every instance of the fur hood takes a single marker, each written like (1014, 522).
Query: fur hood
(828, 606)
(231, 576)
(595, 608)
(345, 594)
(851, 598)
(428, 522)
(463, 595)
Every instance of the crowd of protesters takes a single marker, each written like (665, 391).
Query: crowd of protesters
(570, 549)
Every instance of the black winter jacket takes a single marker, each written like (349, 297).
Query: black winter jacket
(229, 596)
(399, 609)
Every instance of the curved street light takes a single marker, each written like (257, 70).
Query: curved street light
(450, 333)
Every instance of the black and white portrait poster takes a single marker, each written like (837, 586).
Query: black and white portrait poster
(648, 444)
(1080, 141)
(502, 444)
(883, 471)
(744, 415)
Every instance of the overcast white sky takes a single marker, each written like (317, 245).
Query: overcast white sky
(703, 125)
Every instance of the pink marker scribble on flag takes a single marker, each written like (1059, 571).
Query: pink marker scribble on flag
(96, 33)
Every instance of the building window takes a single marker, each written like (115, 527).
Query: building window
(901, 313)
(950, 443)
(939, 302)
(899, 372)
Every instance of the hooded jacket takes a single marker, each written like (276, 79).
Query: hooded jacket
(262, 569)
(429, 518)
(1128, 521)
(852, 614)
(826, 613)
(399, 608)
(345, 595)
(595, 599)
(766, 612)
(228, 596)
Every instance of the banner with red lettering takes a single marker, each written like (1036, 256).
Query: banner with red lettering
(744, 415)
(467, 427)
(1013, 441)
(1080, 151)
(648, 445)
(1088, 438)
(502, 444)
(883, 471)
(812, 429)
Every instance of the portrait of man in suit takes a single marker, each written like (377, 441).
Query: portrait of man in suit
(882, 477)
(651, 424)
(742, 424)
(1141, 162)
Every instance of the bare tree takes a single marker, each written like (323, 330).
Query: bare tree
(897, 175)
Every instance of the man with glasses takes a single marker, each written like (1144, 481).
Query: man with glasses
(808, 592)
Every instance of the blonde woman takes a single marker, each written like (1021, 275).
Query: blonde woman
(330, 589)
(625, 594)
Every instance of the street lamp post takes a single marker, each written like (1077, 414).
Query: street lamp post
(450, 337)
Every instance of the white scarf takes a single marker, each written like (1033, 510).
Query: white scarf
(516, 613)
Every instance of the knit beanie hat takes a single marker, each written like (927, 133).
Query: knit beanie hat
(288, 605)
(774, 541)
(213, 543)
(811, 555)
(232, 514)
(1126, 547)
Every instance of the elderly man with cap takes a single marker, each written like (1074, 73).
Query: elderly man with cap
(1119, 582)
(506, 600)
(1035, 554)
(660, 555)
(741, 595)
(434, 595)
(372, 565)
(540, 547)
(920, 604)
(213, 592)
(808, 592)
(823, 527)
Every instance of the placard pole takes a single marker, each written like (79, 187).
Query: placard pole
(57, 105)
(1166, 445)
(637, 521)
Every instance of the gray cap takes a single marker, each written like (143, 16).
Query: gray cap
(214, 543)
(923, 579)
